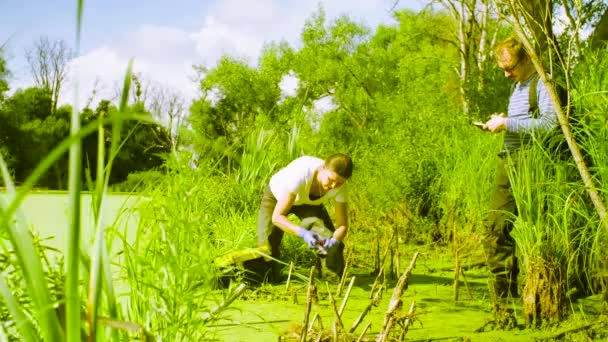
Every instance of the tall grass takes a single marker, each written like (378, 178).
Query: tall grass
(49, 318)
(190, 218)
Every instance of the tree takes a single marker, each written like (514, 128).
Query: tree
(3, 75)
(475, 33)
(168, 106)
(235, 95)
(49, 66)
(143, 143)
(31, 131)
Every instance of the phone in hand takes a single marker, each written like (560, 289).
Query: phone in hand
(480, 125)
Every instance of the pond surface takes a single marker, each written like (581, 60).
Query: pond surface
(268, 312)
(47, 213)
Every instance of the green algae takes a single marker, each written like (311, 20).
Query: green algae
(274, 312)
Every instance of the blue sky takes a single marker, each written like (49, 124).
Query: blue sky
(165, 38)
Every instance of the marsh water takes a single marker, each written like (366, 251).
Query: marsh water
(269, 312)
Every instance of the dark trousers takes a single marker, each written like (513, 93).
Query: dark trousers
(312, 217)
(498, 244)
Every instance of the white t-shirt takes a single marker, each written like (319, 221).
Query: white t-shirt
(297, 177)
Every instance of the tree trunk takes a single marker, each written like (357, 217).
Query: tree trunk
(600, 33)
(538, 17)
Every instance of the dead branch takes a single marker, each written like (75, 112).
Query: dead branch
(342, 279)
(345, 299)
(308, 305)
(367, 326)
(332, 303)
(359, 319)
(396, 301)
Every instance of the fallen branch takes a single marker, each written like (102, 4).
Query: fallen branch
(396, 302)
(345, 299)
(369, 324)
(570, 331)
(359, 319)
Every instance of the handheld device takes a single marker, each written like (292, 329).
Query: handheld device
(480, 125)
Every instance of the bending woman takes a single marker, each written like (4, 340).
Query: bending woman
(301, 188)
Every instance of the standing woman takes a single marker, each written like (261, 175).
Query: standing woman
(301, 188)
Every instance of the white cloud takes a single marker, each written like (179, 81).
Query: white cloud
(216, 39)
(162, 55)
(99, 70)
(165, 54)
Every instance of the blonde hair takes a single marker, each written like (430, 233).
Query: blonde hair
(513, 46)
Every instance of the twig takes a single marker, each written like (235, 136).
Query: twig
(456, 281)
(564, 333)
(466, 284)
(388, 247)
(369, 324)
(371, 292)
(313, 320)
(464, 266)
(384, 332)
(308, 305)
(392, 266)
(236, 294)
(333, 306)
(397, 254)
(289, 276)
(342, 280)
(395, 302)
(365, 311)
(345, 299)
(409, 319)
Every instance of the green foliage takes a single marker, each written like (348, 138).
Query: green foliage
(191, 217)
(420, 169)
(144, 143)
(3, 76)
(30, 131)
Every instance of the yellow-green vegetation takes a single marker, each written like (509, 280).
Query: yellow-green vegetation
(141, 266)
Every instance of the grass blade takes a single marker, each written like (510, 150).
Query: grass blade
(31, 266)
(24, 325)
(100, 252)
(72, 293)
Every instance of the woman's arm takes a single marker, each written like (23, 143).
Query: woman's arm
(341, 220)
(281, 210)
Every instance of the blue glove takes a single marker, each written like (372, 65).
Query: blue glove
(311, 238)
(330, 242)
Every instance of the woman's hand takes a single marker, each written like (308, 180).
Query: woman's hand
(312, 239)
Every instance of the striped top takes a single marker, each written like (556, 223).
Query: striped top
(521, 126)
